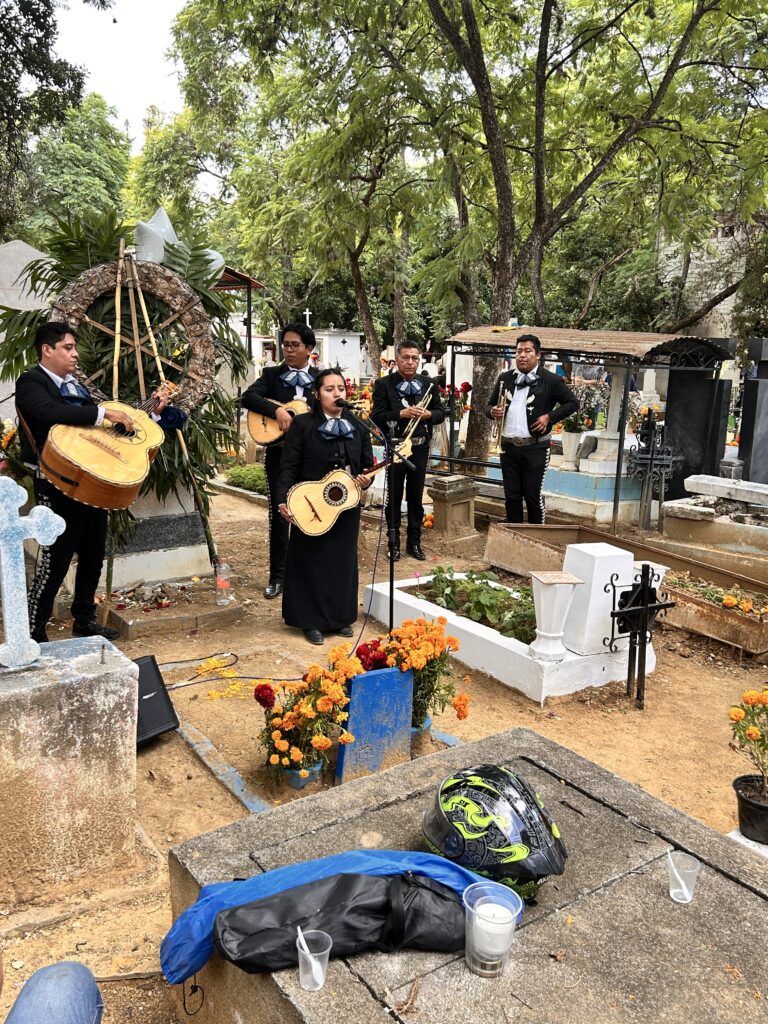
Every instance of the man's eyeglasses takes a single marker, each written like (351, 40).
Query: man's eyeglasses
(292, 344)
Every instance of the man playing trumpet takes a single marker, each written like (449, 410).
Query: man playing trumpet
(399, 399)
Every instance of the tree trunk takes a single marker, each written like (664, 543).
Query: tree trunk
(372, 340)
(398, 298)
(536, 286)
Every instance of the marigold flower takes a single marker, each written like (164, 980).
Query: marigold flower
(751, 698)
(346, 737)
(736, 714)
(321, 742)
(274, 759)
(745, 605)
(342, 716)
(296, 754)
(285, 762)
(282, 745)
(752, 733)
(324, 704)
(277, 735)
(303, 774)
(729, 601)
(460, 705)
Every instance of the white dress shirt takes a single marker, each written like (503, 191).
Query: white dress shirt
(516, 420)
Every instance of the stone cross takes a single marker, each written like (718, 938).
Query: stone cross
(307, 314)
(45, 526)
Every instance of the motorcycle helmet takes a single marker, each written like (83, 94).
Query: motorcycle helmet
(490, 820)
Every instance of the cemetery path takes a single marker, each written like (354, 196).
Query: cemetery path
(677, 749)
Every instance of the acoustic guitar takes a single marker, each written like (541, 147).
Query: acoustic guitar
(265, 430)
(104, 466)
(316, 504)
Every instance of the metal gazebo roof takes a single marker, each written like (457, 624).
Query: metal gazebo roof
(623, 346)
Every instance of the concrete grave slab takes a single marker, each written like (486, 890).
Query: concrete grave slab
(734, 490)
(610, 913)
(67, 765)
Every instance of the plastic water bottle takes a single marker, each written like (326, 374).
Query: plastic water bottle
(512, 322)
(222, 584)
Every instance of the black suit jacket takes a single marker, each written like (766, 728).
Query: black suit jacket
(269, 385)
(40, 403)
(388, 403)
(550, 395)
(308, 456)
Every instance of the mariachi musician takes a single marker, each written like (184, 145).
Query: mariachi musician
(47, 394)
(398, 400)
(321, 572)
(290, 379)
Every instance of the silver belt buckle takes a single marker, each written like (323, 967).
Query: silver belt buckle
(416, 441)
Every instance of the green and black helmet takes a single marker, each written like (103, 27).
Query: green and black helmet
(490, 820)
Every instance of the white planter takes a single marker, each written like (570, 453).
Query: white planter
(504, 658)
(571, 441)
(552, 597)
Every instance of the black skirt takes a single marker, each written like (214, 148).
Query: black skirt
(321, 576)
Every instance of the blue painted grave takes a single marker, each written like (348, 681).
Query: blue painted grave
(380, 720)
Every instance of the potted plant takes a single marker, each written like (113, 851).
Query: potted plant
(749, 725)
(303, 719)
(423, 647)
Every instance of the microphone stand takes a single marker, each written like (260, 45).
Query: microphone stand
(390, 454)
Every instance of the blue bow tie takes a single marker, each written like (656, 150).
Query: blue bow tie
(409, 387)
(334, 428)
(296, 378)
(74, 392)
(525, 380)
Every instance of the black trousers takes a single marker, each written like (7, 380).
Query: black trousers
(412, 482)
(278, 527)
(85, 536)
(522, 470)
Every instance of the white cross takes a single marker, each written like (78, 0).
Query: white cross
(307, 314)
(45, 526)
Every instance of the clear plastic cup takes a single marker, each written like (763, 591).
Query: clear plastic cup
(683, 871)
(492, 912)
(312, 968)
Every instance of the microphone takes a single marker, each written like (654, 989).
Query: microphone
(341, 404)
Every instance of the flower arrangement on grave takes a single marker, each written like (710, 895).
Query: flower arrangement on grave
(591, 395)
(304, 719)
(733, 599)
(361, 396)
(11, 463)
(461, 398)
(420, 645)
(749, 726)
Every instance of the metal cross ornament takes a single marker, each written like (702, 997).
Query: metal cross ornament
(44, 526)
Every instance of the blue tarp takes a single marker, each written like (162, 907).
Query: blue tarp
(189, 944)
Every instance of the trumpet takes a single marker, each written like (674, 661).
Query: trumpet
(498, 425)
(421, 404)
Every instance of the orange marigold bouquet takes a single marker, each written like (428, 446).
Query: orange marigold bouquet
(749, 724)
(420, 645)
(304, 719)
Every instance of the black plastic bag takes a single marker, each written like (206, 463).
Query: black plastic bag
(359, 912)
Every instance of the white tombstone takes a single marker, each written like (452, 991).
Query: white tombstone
(589, 620)
(45, 526)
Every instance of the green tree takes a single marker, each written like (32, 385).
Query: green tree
(36, 90)
(77, 168)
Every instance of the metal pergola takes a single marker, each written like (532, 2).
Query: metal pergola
(626, 350)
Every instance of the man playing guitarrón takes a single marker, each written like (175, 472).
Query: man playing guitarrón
(397, 401)
(290, 379)
(48, 394)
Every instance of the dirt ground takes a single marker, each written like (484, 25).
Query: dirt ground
(676, 749)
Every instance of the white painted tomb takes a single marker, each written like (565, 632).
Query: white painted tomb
(516, 664)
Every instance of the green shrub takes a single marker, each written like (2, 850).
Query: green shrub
(250, 478)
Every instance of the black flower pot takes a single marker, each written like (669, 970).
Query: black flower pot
(753, 814)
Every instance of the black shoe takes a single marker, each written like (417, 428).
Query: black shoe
(414, 550)
(345, 631)
(94, 629)
(314, 636)
(396, 556)
(273, 590)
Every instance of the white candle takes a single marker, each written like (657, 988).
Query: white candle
(494, 925)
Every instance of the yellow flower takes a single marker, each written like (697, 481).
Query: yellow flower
(303, 774)
(285, 762)
(736, 714)
(752, 733)
(296, 754)
(324, 704)
(277, 735)
(342, 716)
(729, 601)
(346, 737)
(745, 605)
(282, 745)
(751, 698)
(321, 742)
(274, 759)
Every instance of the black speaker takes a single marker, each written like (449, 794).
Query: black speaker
(156, 711)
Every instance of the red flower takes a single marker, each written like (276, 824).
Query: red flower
(265, 695)
(465, 387)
